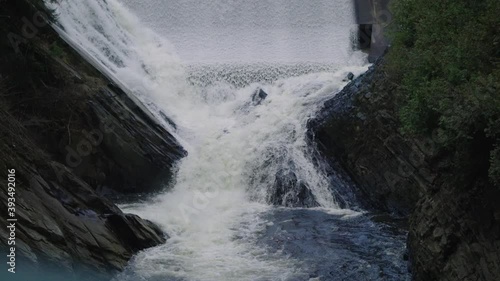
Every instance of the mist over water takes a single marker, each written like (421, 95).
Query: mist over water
(200, 62)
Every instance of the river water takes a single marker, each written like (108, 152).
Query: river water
(200, 63)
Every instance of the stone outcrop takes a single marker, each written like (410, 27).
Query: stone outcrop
(454, 229)
(455, 233)
(131, 152)
(289, 191)
(78, 115)
(64, 229)
(258, 97)
(358, 128)
(72, 137)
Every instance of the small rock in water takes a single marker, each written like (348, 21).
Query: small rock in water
(350, 76)
(259, 96)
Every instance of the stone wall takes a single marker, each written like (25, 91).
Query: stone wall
(372, 17)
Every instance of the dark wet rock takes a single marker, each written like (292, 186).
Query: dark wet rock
(258, 97)
(64, 226)
(361, 135)
(136, 232)
(278, 174)
(136, 154)
(349, 77)
(334, 247)
(69, 132)
(103, 134)
(454, 229)
(289, 191)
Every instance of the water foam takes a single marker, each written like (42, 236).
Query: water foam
(214, 212)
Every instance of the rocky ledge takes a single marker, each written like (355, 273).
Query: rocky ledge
(454, 231)
(73, 138)
(357, 131)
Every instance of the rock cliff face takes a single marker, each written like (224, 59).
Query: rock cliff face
(64, 229)
(454, 224)
(358, 129)
(81, 118)
(128, 151)
(72, 138)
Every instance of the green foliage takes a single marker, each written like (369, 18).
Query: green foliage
(445, 57)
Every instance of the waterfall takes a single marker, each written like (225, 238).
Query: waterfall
(204, 63)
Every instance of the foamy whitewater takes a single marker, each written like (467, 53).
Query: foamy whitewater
(199, 62)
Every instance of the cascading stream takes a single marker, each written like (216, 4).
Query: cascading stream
(218, 208)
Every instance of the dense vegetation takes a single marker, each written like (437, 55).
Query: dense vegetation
(445, 60)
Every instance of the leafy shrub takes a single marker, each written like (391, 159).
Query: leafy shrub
(445, 57)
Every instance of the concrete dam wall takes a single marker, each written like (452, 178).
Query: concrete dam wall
(372, 16)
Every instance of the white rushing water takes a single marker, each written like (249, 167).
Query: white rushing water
(226, 50)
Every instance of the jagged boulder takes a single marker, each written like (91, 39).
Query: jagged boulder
(69, 133)
(454, 232)
(258, 97)
(358, 132)
(349, 77)
(64, 229)
(289, 191)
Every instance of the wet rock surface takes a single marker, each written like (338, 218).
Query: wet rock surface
(136, 154)
(70, 135)
(288, 191)
(64, 229)
(278, 171)
(258, 97)
(454, 229)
